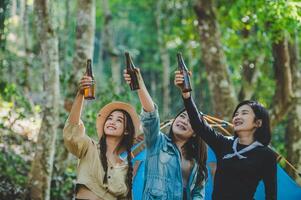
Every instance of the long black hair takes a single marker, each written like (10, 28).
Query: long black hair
(263, 133)
(195, 148)
(126, 142)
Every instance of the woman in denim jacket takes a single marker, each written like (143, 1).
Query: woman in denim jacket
(175, 165)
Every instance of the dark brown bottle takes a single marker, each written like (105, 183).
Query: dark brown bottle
(132, 71)
(89, 93)
(186, 87)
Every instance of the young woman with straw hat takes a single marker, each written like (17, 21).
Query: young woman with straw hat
(101, 174)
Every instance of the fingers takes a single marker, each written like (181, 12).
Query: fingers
(85, 82)
(86, 78)
(179, 72)
(126, 76)
(178, 82)
(179, 78)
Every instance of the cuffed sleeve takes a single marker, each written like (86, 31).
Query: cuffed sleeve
(75, 139)
(151, 126)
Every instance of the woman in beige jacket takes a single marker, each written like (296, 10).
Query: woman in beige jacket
(101, 174)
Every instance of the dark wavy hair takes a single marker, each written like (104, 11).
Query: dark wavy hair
(262, 133)
(195, 148)
(126, 142)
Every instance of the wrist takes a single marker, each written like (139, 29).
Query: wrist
(80, 93)
(186, 95)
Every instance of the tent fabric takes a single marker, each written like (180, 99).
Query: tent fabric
(287, 187)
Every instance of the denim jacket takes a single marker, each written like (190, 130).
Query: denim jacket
(163, 174)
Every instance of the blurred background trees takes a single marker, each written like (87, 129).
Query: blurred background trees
(236, 50)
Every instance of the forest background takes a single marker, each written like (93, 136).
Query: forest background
(237, 50)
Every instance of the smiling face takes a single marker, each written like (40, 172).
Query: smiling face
(115, 124)
(244, 120)
(181, 127)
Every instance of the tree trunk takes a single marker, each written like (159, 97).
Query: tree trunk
(283, 95)
(64, 36)
(250, 72)
(24, 15)
(249, 77)
(293, 129)
(153, 83)
(84, 42)
(13, 8)
(164, 59)
(223, 97)
(109, 52)
(42, 165)
(3, 8)
(62, 155)
(84, 50)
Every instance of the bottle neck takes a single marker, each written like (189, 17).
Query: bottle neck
(181, 64)
(89, 72)
(182, 67)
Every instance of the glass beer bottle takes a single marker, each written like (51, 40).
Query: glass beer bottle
(132, 71)
(186, 87)
(89, 93)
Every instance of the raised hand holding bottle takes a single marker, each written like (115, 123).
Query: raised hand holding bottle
(132, 71)
(185, 86)
(89, 93)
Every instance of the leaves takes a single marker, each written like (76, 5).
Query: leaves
(247, 30)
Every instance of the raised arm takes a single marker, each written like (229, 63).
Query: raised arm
(74, 131)
(149, 115)
(75, 113)
(214, 139)
(144, 96)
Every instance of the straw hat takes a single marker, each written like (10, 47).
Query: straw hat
(109, 108)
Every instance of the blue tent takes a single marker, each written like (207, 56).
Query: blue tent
(287, 188)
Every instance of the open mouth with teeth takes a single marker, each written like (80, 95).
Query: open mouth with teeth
(181, 126)
(238, 123)
(111, 127)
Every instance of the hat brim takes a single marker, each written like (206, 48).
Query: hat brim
(109, 108)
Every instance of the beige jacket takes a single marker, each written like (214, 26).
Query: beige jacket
(89, 170)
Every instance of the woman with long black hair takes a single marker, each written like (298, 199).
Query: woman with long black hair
(101, 174)
(175, 166)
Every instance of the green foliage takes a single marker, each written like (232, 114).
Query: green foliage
(248, 29)
(13, 174)
(13, 94)
(62, 187)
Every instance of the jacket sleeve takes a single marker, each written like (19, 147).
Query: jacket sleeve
(151, 127)
(214, 139)
(75, 139)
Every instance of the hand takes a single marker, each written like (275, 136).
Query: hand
(127, 76)
(85, 82)
(179, 80)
